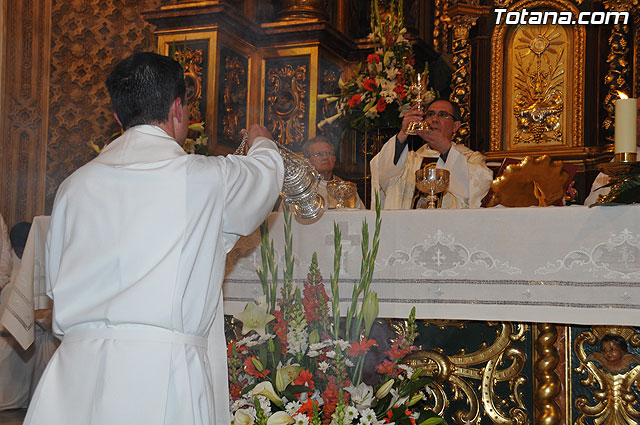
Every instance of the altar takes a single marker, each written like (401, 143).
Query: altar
(534, 289)
(574, 265)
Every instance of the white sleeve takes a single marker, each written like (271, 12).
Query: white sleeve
(253, 183)
(597, 189)
(470, 178)
(383, 171)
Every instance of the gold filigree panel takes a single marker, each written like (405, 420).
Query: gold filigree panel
(193, 58)
(537, 82)
(474, 376)
(233, 97)
(287, 99)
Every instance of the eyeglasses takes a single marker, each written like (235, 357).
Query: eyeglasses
(441, 114)
(321, 154)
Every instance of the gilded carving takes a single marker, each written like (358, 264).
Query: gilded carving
(327, 108)
(636, 49)
(548, 384)
(537, 90)
(611, 373)
(619, 72)
(286, 103)
(539, 81)
(440, 25)
(474, 376)
(461, 79)
(191, 61)
(234, 98)
(303, 9)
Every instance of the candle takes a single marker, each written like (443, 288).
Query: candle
(625, 133)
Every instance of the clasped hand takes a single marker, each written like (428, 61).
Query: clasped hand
(434, 137)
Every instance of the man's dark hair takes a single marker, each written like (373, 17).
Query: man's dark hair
(318, 139)
(616, 339)
(457, 112)
(143, 86)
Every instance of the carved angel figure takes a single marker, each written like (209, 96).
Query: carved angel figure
(611, 371)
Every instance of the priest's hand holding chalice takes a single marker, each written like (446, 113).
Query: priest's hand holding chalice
(418, 88)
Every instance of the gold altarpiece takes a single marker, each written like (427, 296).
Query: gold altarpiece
(242, 72)
(269, 73)
(537, 87)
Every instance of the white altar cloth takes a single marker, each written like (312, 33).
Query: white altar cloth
(574, 265)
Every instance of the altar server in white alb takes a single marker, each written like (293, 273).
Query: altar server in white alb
(393, 168)
(135, 262)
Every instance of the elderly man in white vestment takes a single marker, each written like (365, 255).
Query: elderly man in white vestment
(320, 153)
(393, 168)
(135, 261)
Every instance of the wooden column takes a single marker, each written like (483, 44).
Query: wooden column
(25, 58)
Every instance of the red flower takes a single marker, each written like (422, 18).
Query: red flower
(386, 368)
(239, 349)
(307, 407)
(363, 347)
(330, 397)
(250, 368)
(315, 300)
(280, 329)
(305, 378)
(369, 84)
(398, 350)
(373, 58)
(400, 91)
(382, 104)
(355, 100)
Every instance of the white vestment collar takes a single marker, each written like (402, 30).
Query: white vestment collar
(140, 144)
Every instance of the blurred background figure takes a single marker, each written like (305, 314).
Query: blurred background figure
(16, 364)
(320, 153)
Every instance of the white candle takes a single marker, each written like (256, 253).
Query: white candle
(625, 134)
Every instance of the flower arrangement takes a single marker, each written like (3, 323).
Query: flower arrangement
(379, 93)
(301, 362)
(197, 140)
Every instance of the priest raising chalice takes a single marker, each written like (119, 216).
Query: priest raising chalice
(393, 169)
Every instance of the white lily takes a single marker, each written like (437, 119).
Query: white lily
(280, 418)
(265, 388)
(243, 417)
(361, 396)
(328, 121)
(254, 318)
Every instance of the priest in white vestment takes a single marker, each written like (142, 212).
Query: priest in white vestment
(135, 262)
(393, 168)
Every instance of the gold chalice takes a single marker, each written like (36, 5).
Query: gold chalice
(431, 181)
(419, 89)
(341, 190)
